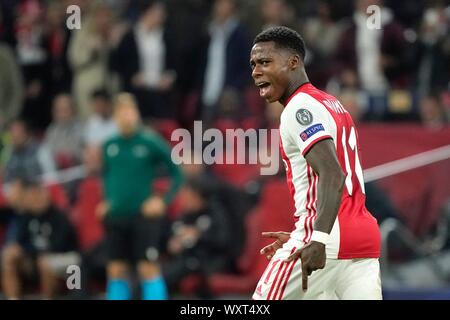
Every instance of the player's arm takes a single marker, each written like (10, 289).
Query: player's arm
(323, 160)
(310, 126)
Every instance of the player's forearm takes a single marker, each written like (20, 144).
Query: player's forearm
(329, 195)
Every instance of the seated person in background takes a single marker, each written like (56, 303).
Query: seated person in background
(45, 244)
(200, 237)
(236, 202)
(64, 136)
(22, 156)
(13, 206)
(100, 125)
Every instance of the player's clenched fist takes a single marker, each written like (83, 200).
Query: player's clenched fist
(281, 238)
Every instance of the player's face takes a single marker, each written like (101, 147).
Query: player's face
(270, 70)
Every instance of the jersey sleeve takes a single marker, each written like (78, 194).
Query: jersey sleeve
(306, 123)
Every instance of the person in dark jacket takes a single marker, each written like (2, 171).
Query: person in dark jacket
(145, 62)
(201, 237)
(45, 245)
(224, 60)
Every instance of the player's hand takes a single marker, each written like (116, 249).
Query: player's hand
(312, 256)
(101, 209)
(281, 238)
(153, 207)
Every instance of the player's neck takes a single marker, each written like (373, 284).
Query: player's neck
(300, 80)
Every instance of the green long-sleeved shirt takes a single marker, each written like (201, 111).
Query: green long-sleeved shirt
(130, 165)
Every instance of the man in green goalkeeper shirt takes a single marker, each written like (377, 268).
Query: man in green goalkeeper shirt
(134, 215)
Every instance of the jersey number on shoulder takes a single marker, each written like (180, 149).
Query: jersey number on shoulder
(352, 143)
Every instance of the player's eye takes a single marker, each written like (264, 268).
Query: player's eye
(265, 63)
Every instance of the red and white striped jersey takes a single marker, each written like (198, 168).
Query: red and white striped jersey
(310, 116)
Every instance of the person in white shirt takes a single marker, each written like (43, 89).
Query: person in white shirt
(100, 125)
(145, 61)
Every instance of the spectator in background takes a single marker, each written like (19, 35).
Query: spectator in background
(445, 100)
(351, 100)
(322, 34)
(372, 58)
(100, 125)
(200, 238)
(33, 57)
(145, 61)
(233, 201)
(133, 214)
(432, 112)
(225, 57)
(11, 86)
(184, 16)
(7, 10)
(64, 136)
(433, 52)
(89, 227)
(229, 106)
(88, 54)
(23, 157)
(276, 13)
(14, 196)
(45, 244)
(56, 40)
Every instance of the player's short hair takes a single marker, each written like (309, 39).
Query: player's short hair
(283, 37)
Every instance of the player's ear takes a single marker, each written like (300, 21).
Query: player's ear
(294, 61)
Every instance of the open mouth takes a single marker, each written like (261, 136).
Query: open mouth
(263, 88)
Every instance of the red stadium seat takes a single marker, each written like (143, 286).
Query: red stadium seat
(277, 206)
(250, 265)
(253, 101)
(251, 123)
(89, 227)
(58, 196)
(165, 127)
(190, 285)
(237, 174)
(3, 202)
(225, 123)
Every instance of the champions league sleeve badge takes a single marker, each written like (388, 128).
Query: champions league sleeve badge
(304, 117)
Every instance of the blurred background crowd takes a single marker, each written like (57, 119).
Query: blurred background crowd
(186, 60)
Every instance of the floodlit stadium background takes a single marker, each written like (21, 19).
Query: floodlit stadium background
(395, 84)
